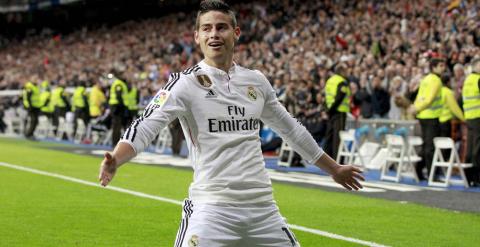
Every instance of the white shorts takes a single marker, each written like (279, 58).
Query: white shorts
(218, 225)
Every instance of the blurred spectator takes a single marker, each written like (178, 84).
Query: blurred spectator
(380, 99)
(458, 78)
(3, 125)
(317, 118)
(397, 90)
(363, 99)
(354, 108)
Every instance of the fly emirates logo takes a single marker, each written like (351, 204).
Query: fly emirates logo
(235, 121)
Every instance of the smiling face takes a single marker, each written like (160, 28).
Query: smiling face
(216, 37)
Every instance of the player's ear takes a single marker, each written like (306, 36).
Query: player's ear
(197, 39)
(237, 33)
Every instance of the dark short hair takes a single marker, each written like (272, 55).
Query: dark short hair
(215, 5)
(435, 62)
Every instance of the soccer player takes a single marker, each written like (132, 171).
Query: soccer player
(220, 105)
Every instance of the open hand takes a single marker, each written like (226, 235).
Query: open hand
(107, 169)
(348, 176)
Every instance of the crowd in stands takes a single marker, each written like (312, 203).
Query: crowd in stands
(386, 45)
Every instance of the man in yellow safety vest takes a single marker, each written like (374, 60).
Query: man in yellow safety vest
(118, 98)
(96, 100)
(46, 99)
(471, 107)
(337, 93)
(428, 107)
(132, 102)
(450, 108)
(60, 103)
(80, 106)
(31, 102)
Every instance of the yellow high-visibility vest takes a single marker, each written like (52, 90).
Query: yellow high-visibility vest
(118, 85)
(95, 101)
(35, 95)
(78, 97)
(446, 114)
(46, 96)
(471, 96)
(426, 87)
(132, 99)
(331, 92)
(57, 99)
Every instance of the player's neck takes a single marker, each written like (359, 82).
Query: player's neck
(224, 65)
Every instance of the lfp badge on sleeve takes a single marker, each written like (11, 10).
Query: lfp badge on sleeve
(161, 97)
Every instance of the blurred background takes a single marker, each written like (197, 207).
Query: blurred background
(80, 48)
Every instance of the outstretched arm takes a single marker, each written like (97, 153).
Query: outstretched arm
(301, 140)
(165, 107)
(291, 131)
(122, 153)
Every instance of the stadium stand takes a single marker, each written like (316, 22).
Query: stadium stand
(386, 45)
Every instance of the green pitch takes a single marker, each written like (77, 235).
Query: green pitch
(38, 210)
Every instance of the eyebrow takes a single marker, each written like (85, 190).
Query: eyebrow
(210, 24)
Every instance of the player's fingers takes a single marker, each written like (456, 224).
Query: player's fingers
(356, 184)
(346, 186)
(105, 180)
(104, 173)
(104, 176)
(358, 176)
(350, 184)
(100, 171)
(357, 169)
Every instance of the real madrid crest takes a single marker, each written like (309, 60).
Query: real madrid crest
(252, 94)
(193, 242)
(204, 80)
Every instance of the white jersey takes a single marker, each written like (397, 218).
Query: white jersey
(220, 114)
